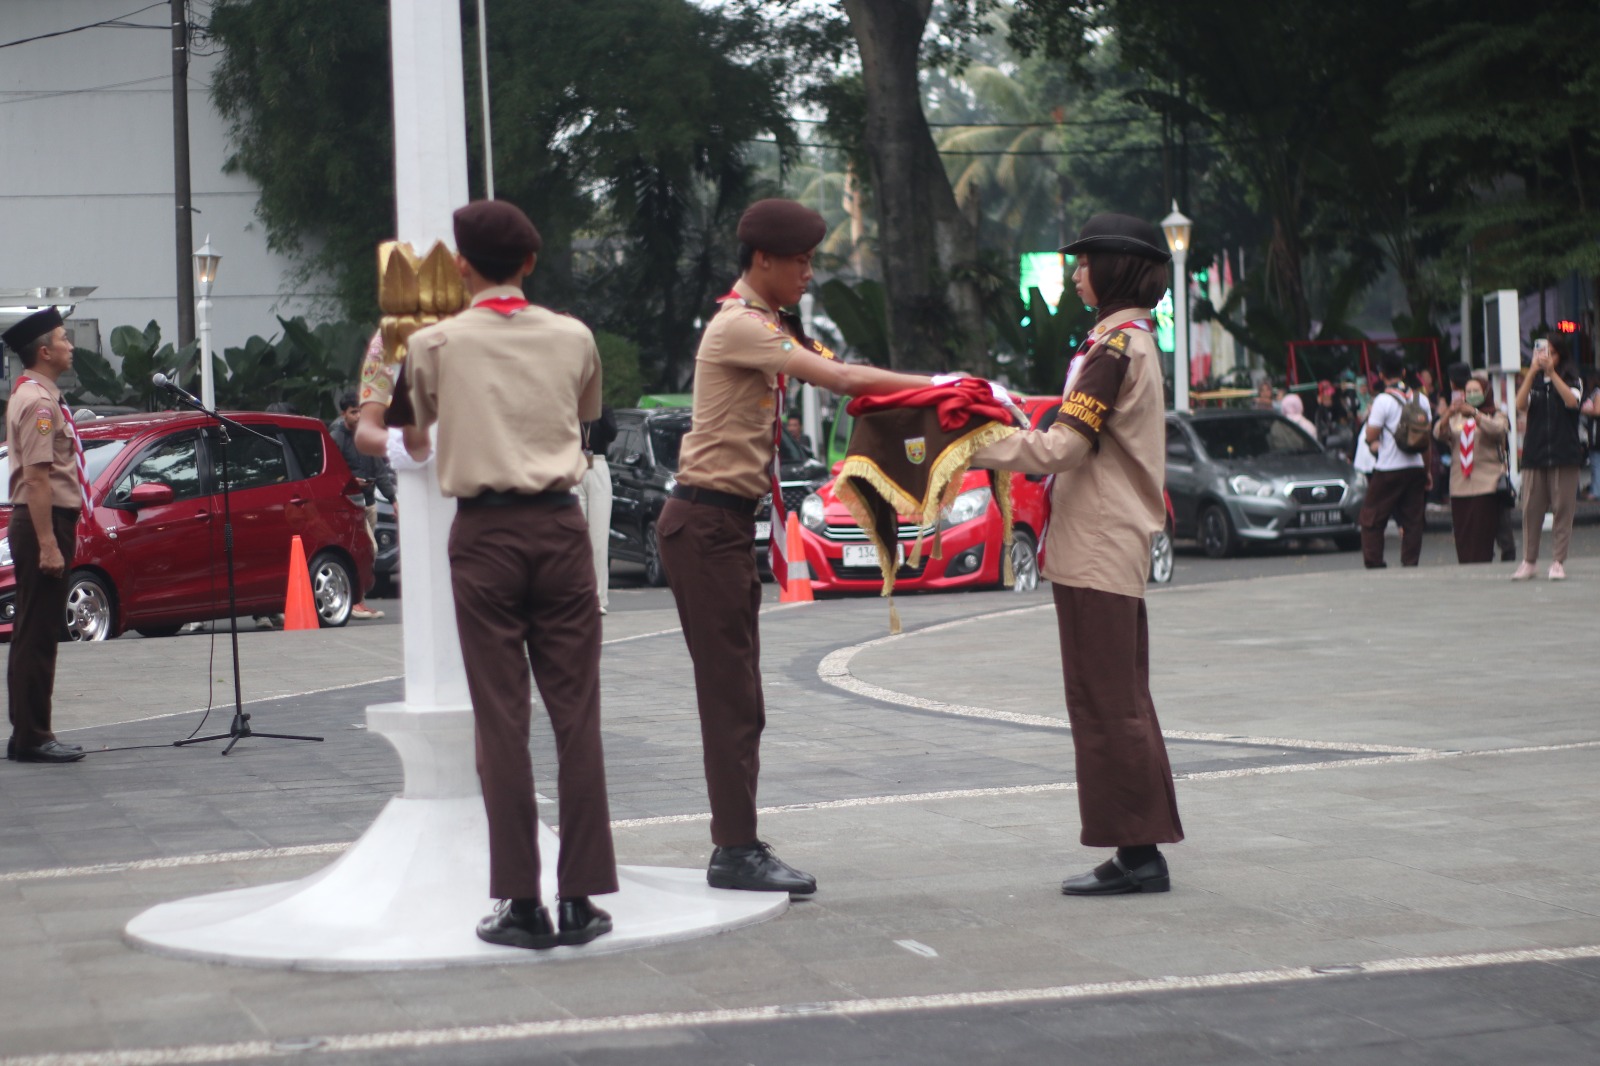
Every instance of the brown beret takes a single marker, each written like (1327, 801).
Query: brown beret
(781, 227)
(496, 232)
(32, 329)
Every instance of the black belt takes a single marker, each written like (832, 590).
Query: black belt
(493, 498)
(712, 498)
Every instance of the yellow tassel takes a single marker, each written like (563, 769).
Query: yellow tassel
(894, 619)
(938, 543)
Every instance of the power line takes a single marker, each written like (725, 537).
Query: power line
(112, 23)
(48, 94)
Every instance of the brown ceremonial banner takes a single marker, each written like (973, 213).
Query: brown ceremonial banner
(902, 462)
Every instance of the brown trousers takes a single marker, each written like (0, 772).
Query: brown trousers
(1475, 520)
(712, 570)
(41, 615)
(524, 591)
(1553, 489)
(1403, 495)
(1125, 791)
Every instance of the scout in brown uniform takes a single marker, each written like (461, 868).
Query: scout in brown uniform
(46, 501)
(1107, 450)
(707, 530)
(508, 382)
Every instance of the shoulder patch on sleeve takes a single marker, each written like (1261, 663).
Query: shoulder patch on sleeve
(1118, 342)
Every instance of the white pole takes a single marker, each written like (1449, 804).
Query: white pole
(483, 80)
(208, 384)
(1180, 328)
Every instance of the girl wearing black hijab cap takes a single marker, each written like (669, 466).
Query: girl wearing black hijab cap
(1106, 454)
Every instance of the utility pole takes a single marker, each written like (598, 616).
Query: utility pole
(183, 208)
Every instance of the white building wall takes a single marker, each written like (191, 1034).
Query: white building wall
(86, 176)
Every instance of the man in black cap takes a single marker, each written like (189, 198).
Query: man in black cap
(706, 531)
(1106, 453)
(48, 490)
(507, 384)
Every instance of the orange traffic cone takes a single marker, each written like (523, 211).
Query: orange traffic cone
(797, 585)
(299, 609)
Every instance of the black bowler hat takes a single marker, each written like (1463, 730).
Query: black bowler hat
(494, 231)
(781, 227)
(1124, 234)
(32, 328)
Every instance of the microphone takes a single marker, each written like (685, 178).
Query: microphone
(161, 381)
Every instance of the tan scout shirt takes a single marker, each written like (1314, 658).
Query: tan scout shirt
(729, 444)
(1107, 450)
(1488, 452)
(37, 432)
(508, 394)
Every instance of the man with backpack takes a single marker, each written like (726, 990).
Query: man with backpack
(1398, 435)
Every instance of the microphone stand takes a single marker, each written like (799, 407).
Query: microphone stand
(239, 728)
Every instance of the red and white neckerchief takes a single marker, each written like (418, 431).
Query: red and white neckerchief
(87, 514)
(1469, 438)
(503, 305)
(1143, 325)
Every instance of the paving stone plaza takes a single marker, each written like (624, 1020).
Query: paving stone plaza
(1387, 780)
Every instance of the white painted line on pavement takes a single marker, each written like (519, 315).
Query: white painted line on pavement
(835, 670)
(214, 858)
(221, 708)
(460, 1036)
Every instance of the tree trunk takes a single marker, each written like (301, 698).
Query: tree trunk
(924, 241)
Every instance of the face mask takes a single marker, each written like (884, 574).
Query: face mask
(1475, 399)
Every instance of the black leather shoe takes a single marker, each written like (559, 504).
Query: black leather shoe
(1112, 878)
(581, 921)
(755, 868)
(517, 928)
(49, 751)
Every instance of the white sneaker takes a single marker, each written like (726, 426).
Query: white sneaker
(1524, 571)
(361, 612)
(1558, 572)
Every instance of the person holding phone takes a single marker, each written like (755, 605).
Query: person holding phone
(1547, 402)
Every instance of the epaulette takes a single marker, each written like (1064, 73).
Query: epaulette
(1118, 342)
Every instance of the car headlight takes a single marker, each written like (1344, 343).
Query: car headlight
(5, 551)
(1245, 485)
(969, 505)
(671, 484)
(1359, 485)
(812, 513)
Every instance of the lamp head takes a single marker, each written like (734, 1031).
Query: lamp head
(205, 266)
(1177, 226)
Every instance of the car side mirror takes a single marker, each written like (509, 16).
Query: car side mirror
(633, 459)
(1176, 449)
(149, 494)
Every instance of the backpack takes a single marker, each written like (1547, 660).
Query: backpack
(1414, 432)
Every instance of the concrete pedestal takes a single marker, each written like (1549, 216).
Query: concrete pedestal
(409, 893)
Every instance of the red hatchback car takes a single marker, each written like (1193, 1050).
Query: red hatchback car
(154, 558)
(842, 559)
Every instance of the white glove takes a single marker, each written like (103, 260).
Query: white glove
(399, 458)
(946, 379)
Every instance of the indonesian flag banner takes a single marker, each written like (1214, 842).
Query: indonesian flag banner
(908, 455)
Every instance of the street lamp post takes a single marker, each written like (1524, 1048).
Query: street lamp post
(1177, 226)
(205, 272)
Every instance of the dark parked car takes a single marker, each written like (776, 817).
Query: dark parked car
(1251, 476)
(154, 558)
(386, 564)
(643, 460)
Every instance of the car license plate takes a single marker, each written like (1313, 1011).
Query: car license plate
(1327, 516)
(867, 555)
(763, 530)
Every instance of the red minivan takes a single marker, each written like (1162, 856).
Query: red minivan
(154, 558)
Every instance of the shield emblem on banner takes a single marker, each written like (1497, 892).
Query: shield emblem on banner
(916, 449)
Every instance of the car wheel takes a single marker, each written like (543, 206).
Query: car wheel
(157, 631)
(88, 607)
(1024, 561)
(1217, 538)
(1161, 556)
(655, 571)
(1348, 542)
(332, 590)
